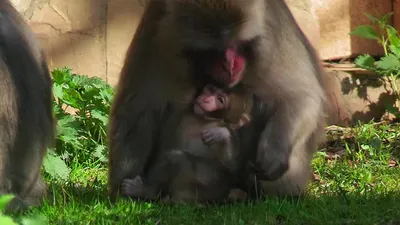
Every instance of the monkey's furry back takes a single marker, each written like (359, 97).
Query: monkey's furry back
(26, 117)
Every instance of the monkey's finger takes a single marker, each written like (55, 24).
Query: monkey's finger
(209, 140)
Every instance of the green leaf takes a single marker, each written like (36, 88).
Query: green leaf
(393, 36)
(388, 63)
(100, 116)
(373, 19)
(365, 31)
(58, 91)
(35, 220)
(385, 18)
(365, 147)
(56, 167)
(395, 50)
(99, 153)
(67, 126)
(5, 199)
(6, 220)
(365, 61)
(382, 21)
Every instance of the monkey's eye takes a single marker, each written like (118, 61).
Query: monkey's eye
(221, 100)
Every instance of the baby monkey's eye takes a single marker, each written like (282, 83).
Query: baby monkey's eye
(221, 99)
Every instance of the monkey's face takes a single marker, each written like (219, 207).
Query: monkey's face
(215, 24)
(212, 102)
(217, 36)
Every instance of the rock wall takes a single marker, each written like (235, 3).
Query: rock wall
(92, 36)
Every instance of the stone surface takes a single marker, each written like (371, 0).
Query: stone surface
(122, 20)
(21, 5)
(92, 36)
(338, 17)
(305, 18)
(356, 98)
(396, 17)
(338, 113)
(72, 33)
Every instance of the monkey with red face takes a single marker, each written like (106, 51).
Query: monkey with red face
(203, 160)
(182, 45)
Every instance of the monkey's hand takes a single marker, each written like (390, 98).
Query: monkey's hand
(215, 135)
(271, 170)
(132, 187)
(273, 153)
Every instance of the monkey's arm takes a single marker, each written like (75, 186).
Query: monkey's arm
(290, 127)
(291, 90)
(227, 145)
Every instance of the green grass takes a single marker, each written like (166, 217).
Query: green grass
(360, 187)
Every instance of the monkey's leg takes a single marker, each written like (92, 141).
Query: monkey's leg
(32, 198)
(157, 179)
(126, 158)
(36, 195)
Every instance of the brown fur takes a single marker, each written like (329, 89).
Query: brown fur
(192, 167)
(283, 72)
(26, 116)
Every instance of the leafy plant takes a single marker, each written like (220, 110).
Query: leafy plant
(389, 65)
(81, 106)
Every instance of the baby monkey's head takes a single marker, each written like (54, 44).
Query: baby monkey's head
(233, 108)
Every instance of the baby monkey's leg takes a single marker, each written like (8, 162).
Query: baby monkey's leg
(155, 181)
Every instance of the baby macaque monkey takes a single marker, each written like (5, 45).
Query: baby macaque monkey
(200, 162)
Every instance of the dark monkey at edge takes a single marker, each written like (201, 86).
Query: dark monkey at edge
(27, 124)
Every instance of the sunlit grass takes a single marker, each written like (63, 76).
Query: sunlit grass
(360, 187)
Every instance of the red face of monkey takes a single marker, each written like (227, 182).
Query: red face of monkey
(210, 100)
(216, 24)
(230, 70)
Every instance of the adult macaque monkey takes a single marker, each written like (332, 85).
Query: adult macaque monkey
(201, 156)
(255, 42)
(26, 116)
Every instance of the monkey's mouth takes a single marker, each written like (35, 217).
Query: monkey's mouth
(198, 110)
(234, 65)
